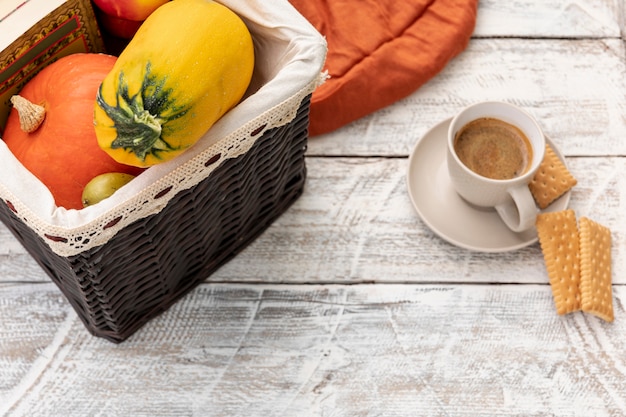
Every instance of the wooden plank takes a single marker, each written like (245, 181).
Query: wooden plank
(355, 223)
(549, 18)
(392, 350)
(575, 88)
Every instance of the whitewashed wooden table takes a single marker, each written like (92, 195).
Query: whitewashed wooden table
(349, 305)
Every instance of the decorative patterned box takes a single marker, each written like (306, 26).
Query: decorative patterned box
(125, 260)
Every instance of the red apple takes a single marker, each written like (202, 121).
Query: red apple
(129, 9)
(116, 26)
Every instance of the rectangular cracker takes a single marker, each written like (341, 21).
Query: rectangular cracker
(558, 237)
(552, 180)
(595, 269)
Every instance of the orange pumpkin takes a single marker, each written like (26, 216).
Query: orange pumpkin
(63, 151)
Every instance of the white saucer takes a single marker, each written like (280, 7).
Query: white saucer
(449, 216)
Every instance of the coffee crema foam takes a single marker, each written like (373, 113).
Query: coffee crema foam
(493, 148)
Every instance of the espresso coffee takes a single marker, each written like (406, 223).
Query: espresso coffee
(493, 148)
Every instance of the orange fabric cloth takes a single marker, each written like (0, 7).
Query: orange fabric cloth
(380, 51)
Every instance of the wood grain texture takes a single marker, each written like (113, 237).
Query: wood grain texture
(363, 228)
(348, 305)
(367, 350)
(549, 18)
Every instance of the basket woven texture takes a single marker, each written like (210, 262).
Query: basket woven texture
(146, 267)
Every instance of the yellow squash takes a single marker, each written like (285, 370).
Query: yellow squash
(190, 62)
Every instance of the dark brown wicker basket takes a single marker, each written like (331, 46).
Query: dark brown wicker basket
(147, 266)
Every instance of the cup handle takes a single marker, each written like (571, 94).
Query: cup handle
(519, 213)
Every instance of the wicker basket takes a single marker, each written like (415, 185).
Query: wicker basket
(142, 264)
(117, 287)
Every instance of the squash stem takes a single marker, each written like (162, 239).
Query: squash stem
(31, 115)
(151, 132)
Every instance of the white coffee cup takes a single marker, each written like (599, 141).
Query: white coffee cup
(511, 198)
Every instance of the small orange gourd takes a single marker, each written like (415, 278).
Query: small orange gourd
(63, 151)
